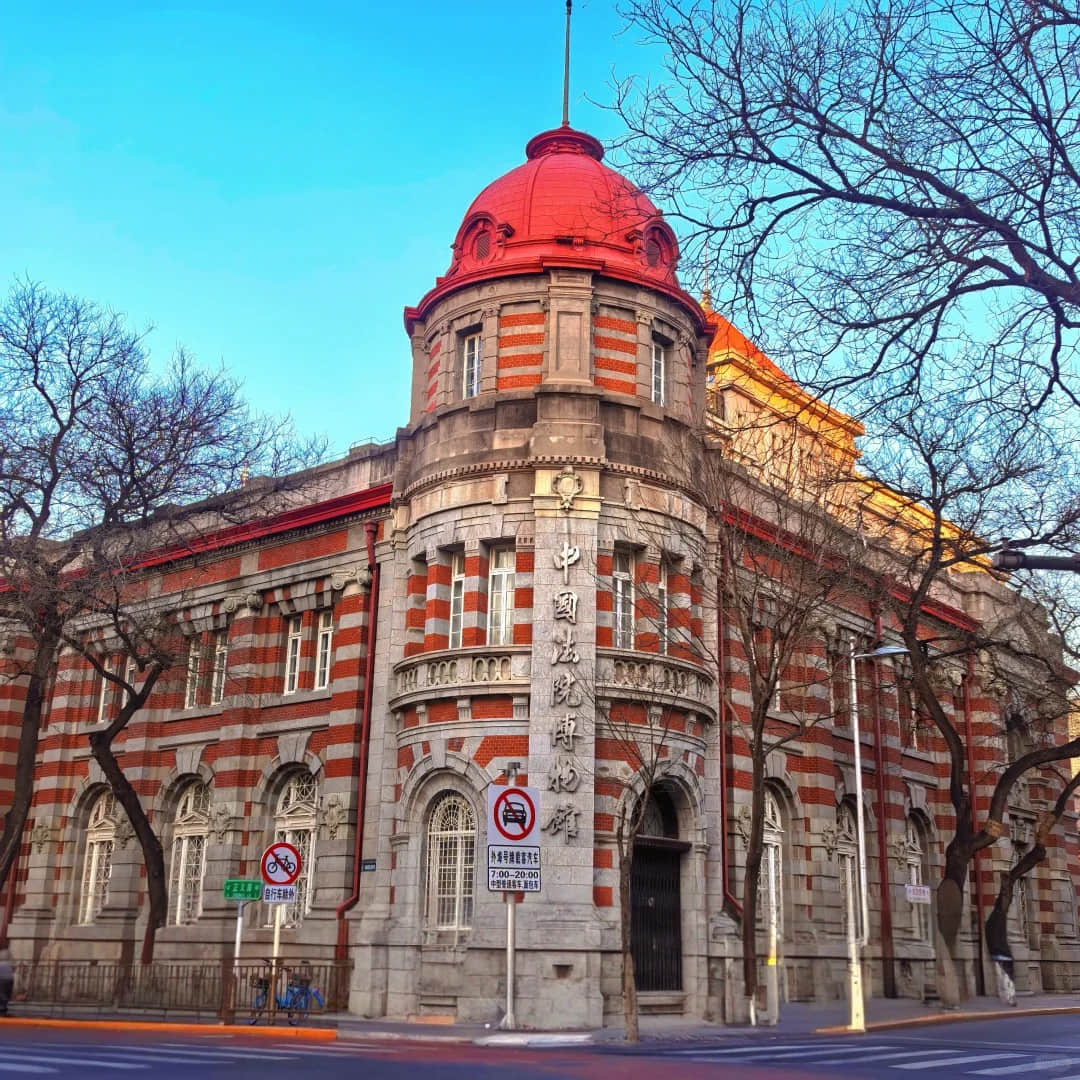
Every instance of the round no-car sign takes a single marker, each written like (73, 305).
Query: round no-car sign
(280, 864)
(511, 814)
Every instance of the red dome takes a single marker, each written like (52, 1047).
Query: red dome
(562, 207)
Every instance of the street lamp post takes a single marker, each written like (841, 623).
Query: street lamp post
(856, 941)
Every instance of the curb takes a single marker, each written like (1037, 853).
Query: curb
(550, 1038)
(948, 1018)
(402, 1036)
(307, 1034)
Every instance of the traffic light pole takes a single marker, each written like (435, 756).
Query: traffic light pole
(1010, 559)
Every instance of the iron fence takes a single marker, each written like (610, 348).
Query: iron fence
(195, 988)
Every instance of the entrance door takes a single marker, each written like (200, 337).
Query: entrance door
(656, 917)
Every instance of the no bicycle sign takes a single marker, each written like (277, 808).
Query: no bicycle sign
(280, 864)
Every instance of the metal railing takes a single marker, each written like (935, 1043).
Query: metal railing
(204, 988)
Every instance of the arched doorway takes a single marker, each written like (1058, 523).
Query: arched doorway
(655, 902)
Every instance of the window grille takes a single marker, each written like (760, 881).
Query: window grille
(659, 363)
(191, 690)
(623, 589)
(915, 874)
(501, 597)
(772, 864)
(662, 610)
(295, 822)
(221, 663)
(847, 852)
(191, 825)
(97, 861)
(451, 857)
(292, 655)
(472, 363)
(323, 649)
(457, 597)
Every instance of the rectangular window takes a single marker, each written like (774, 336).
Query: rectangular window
(221, 663)
(292, 655)
(662, 611)
(105, 693)
(623, 589)
(457, 597)
(324, 647)
(659, 363)
(501, 597)
(472, 361)
(191, 689)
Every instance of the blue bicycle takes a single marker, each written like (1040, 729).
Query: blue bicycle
(296, 1001)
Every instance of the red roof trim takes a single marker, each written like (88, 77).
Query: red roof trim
(302, 517)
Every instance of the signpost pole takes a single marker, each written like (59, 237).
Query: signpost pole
(277, 934)
(236, 957)
(509, 1021)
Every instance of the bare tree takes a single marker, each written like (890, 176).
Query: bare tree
(101, 465)
(889, 189)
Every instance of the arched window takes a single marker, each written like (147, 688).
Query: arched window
(915, 873)
(451, 863)
(847, 853)
(771, 879)
(97, 862)
(190, 827)
(295, 822)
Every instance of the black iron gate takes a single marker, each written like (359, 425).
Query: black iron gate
(656, 917)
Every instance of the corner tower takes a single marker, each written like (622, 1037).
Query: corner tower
(550, 559)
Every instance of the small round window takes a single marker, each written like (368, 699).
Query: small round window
(482, 245)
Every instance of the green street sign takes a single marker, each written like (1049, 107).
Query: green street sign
(238, 889)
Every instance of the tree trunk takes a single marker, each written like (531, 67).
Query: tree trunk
(153, 855)
(752, 882)
(629, 985)
(26, 759)
(950, 911)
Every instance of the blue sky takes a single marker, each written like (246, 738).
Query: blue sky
(270, 184)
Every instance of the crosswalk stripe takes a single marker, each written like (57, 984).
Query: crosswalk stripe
(11, 1066)
(224, 1053)
(1028, 1066)
(85, 1062)
(344, 1051)
(834, 1051)
(967, 1059)
(893, 1055)
(771, 1048)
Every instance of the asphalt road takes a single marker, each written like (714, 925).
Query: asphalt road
(1034, 1048)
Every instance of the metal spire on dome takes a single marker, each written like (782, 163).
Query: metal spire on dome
(566, 72)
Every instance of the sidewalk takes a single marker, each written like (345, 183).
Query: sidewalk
(796, 1019)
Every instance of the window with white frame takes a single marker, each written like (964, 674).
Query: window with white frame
(97, 858)
(659, 364)
(220, 667)
(451, 867)
(915, 874)
(293, 636)
(324, 645)
(622, 587)
(847, 853)
(501, 597)
(194, 661)
(472, 362)
(662, 609)
(771, 878)
(106, 691)
(295, 822)
(191, 825)
(457, 597)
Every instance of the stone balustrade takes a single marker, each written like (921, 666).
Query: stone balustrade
(461, 673)
(663, 680)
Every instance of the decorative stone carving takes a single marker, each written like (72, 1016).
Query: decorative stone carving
(567, 485)
(221, 816)
(742, 824)
(232, 603)
(333, 815)
(124, 831)
(42, 836)
(361, 575)
(830, 838)
(898, 849)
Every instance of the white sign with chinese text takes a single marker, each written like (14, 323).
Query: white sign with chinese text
(917, 894)
(513, 869)
(279, 894)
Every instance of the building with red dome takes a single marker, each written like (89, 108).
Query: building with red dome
(521, 589)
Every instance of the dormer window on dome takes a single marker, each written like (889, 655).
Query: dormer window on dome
(660, 247)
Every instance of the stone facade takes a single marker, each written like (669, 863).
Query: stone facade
(541, 567)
